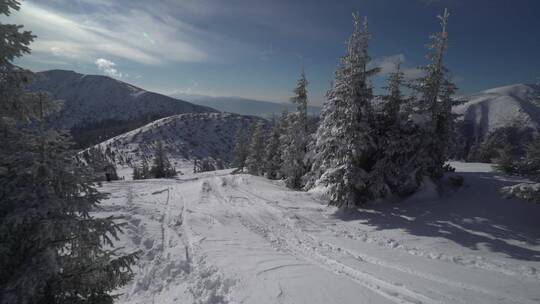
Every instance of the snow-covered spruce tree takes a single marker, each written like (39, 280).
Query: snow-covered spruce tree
(396, 171)
(528, 167)
(104, 169)
(255, 158)
(284, 122)
(161, 166)
(344, 143)
(434, 103)
(145, 170)
(293, 167)
(207, 164)
(14, 105)
(272, 158)
(300, 99)
(142, 171)
(240, 150)
(394, 100)
(51, 248)
(136, 173)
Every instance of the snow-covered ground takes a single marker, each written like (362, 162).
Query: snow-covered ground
(221, 238)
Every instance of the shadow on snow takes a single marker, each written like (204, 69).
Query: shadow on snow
(474, 216)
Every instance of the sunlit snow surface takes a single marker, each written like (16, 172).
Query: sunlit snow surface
(221, 238)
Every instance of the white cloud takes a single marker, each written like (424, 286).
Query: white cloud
(388, 65)
(134, 35)
(108, 67)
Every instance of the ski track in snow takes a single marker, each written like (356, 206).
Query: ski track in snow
(192, 230)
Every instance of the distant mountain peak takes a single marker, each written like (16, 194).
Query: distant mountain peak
(517, 104)
(94, 98)
(91, 100)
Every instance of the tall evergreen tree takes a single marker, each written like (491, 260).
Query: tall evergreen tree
(272, 158)
(394, 100)
(142, 171)
(344, 142)
(103, 168)
(51, 248)
(161, 167)
(284, 122)
(300, 99)
(396, 169)
(145, 170)
(435, 91)
(295, 146)
(240, 150)
(136, 173)
(14, 104)
(255, 158)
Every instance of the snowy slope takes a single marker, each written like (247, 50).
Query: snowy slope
(245, 106)
(221, 238)
(185, 137)
(94, 98)
(500, 107)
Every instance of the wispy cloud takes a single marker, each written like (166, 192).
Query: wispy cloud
(108, 67)
(130, 35)
(165, 32)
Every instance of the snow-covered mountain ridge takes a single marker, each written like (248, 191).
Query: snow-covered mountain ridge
(185, 137)
(195, 136)
(95, 98)
(489, 110)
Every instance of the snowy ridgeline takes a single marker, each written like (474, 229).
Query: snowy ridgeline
(90, 99)
(186, 137)
(502, 107)
(220, 238)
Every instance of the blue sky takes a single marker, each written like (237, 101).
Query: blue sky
(255, 48)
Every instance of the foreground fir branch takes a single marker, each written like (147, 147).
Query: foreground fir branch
(52, 250)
